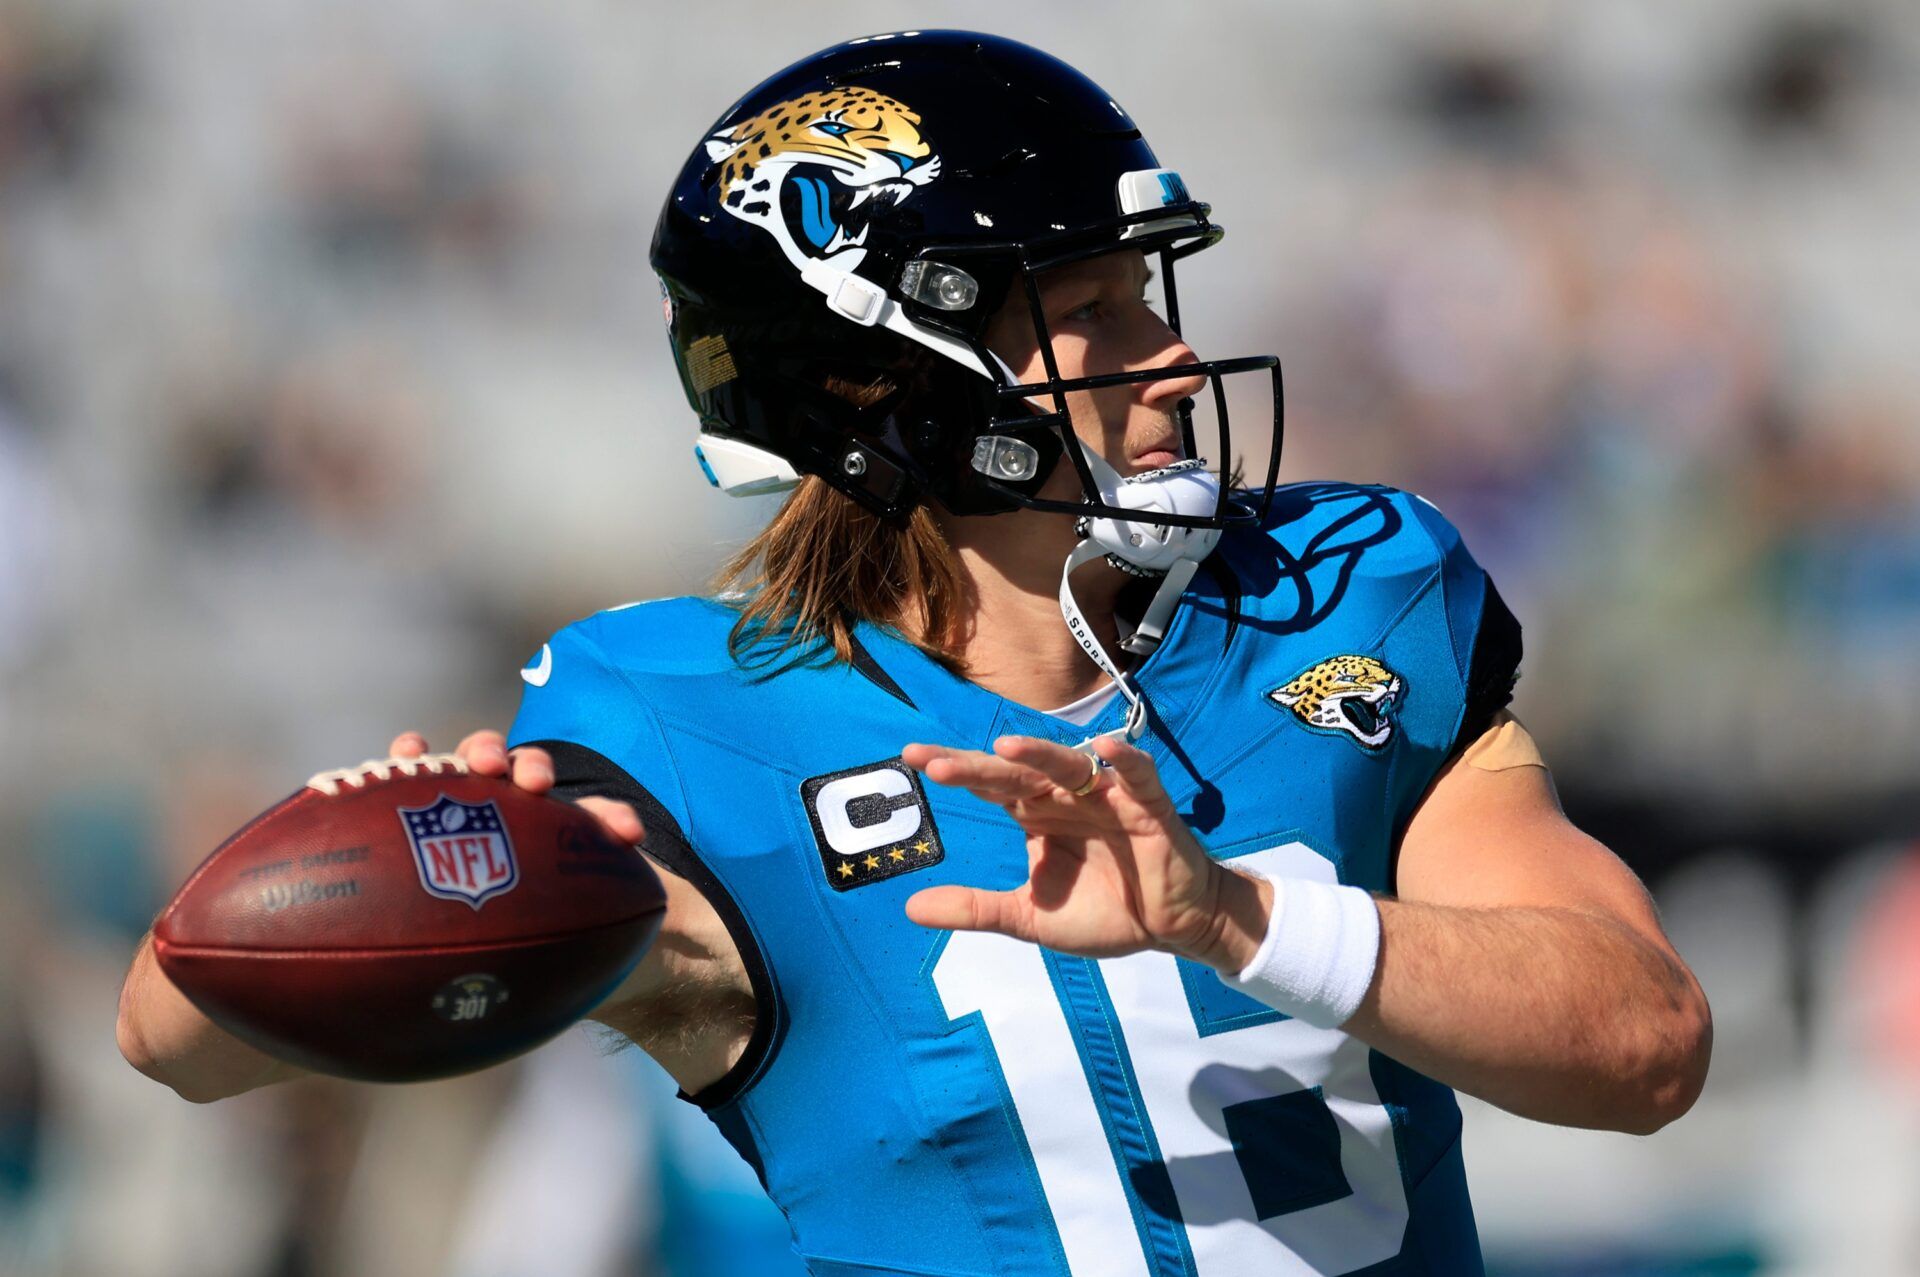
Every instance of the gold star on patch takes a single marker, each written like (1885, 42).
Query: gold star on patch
(923, 846)
(871, 862)
(846, 870)
(896, 854)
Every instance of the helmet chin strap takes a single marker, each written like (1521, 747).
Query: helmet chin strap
(1142, 548)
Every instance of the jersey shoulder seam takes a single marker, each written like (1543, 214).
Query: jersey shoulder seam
(1439, 573)
(604, 620)
(600, 654)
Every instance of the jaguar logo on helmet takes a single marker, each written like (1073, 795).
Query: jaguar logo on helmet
(816, 170)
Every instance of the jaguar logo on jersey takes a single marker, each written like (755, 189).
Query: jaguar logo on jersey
(461, 850)
(1353, 696)
(871, 823)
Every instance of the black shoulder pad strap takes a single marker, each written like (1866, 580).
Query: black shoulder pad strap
(1494, 670)
(580, 772)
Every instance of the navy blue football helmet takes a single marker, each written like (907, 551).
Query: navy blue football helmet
(851, 225)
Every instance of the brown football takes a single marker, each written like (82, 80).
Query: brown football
(405, 920)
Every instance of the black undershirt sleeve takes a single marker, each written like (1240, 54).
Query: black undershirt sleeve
(1493, 671)
(1491, 674)
(580, 772)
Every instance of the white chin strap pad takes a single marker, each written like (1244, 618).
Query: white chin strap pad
(1182, 488)
(1171, 553)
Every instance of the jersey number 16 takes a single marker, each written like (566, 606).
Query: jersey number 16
(1260, 1147)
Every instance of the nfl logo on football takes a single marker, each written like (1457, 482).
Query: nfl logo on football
(461, 849)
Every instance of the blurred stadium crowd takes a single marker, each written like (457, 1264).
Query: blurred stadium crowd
(330, 381)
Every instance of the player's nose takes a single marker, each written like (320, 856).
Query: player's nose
(1165, 392)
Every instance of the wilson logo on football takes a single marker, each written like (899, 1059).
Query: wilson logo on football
(461, 849)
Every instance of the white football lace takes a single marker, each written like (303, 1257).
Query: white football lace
(329, 783)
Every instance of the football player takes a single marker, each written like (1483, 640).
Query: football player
(1076, 864)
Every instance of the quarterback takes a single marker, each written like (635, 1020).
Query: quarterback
(1078, 861)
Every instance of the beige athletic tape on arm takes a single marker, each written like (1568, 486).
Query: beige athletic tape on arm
(1504, 744)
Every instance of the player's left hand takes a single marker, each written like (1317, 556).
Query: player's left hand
(1110, 871)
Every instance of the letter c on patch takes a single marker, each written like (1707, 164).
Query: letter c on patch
(849, 839)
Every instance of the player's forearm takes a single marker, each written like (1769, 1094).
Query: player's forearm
(167, 1038)
(1552, 1014)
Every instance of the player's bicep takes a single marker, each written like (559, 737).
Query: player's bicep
(701, 1000)
(697, 953)
(691, 942)
(1490, 833)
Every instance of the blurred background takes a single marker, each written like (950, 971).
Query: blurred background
(331, 380)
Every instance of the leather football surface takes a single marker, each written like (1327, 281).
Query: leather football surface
(409, 926)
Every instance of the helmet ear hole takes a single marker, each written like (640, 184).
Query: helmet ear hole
(858, 393)
(872, 478)
(860, 454)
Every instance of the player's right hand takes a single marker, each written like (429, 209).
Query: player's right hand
(486, 754)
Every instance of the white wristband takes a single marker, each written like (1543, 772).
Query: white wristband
(1318, 958)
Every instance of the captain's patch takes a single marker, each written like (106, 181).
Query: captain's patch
(1354, 696)
(870, 823)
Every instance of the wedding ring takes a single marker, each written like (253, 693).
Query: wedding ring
(1093, 778)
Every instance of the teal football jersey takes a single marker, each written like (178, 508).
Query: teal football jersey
(924, 1102)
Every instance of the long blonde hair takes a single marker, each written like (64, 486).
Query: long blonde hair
(825, 562)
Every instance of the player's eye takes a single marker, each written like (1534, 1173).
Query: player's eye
(1083, 314)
